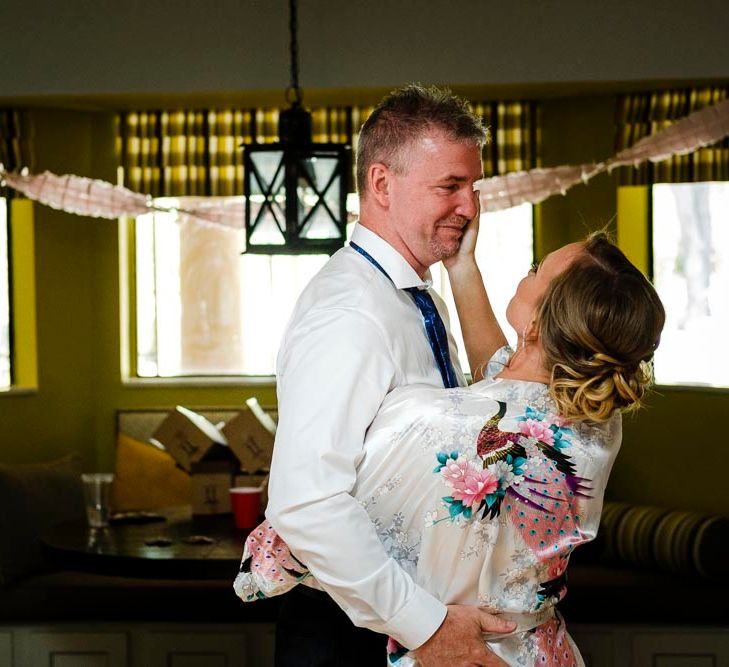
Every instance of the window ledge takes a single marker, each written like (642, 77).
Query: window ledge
(218, 381)
(699, 388)
(18, 391)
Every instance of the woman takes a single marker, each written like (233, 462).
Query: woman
(481, 494)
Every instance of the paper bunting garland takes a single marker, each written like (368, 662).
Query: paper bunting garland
(701, 128)
(698, 129)
(533, 186)
(85, 196)
(76, 194)
(99, 199)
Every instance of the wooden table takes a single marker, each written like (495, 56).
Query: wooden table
(169, 549)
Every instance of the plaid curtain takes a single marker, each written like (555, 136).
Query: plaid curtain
(643, 114)
(515, 136)
(15, 143)
(196, 152)
(189, 153)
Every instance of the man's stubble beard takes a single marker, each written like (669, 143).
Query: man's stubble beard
(441, 250)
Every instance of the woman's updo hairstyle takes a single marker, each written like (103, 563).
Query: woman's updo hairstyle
(599, 323)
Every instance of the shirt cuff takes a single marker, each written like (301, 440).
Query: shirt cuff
(417, 621)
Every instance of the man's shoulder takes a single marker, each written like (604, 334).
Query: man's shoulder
(346, 281)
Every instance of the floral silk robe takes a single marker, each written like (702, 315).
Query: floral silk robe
(480, 494)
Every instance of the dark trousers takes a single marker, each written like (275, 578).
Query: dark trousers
(312, 631)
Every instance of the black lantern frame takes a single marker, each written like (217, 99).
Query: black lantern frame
(296, 190)
(296, 197)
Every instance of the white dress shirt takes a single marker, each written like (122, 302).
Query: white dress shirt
(353, 337)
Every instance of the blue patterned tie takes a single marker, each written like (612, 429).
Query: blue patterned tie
(437, 335)
(434, 327)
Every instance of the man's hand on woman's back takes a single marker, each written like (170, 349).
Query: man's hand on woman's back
(458, 642)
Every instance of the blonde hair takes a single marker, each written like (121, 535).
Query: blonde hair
(599, 324)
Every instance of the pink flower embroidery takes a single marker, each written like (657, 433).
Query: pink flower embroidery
(536, 429)
(454, 470)
(557, 421)
(470, 483)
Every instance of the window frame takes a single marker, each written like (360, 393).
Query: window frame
(635, 239)
(5, 204)
(128, 329)
(21, 275)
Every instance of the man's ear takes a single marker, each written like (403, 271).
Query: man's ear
(379, 180)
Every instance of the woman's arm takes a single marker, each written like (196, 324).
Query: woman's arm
(481, 331)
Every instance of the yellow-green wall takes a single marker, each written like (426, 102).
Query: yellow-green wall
(576, 131)
(77, 286)
(668, 449)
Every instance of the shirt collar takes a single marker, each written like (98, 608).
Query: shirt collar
(401, 273)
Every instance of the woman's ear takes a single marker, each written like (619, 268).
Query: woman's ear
(379, 181)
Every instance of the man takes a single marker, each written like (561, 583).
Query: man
(356, 333)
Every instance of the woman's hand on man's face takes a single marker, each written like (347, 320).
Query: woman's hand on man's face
(467, 250)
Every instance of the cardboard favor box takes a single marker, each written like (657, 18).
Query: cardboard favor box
(250, 436)
(189, 437)
(211, 483)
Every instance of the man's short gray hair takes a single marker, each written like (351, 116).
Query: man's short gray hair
(406, 114)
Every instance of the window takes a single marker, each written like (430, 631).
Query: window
(5, 350)
(504, 252)
(203, 309)
(691, 275)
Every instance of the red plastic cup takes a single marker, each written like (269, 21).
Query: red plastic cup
(246, 504)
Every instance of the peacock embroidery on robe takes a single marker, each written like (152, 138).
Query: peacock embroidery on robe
(528, 479)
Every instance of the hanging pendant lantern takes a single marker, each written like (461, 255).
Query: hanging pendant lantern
(296, 190)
